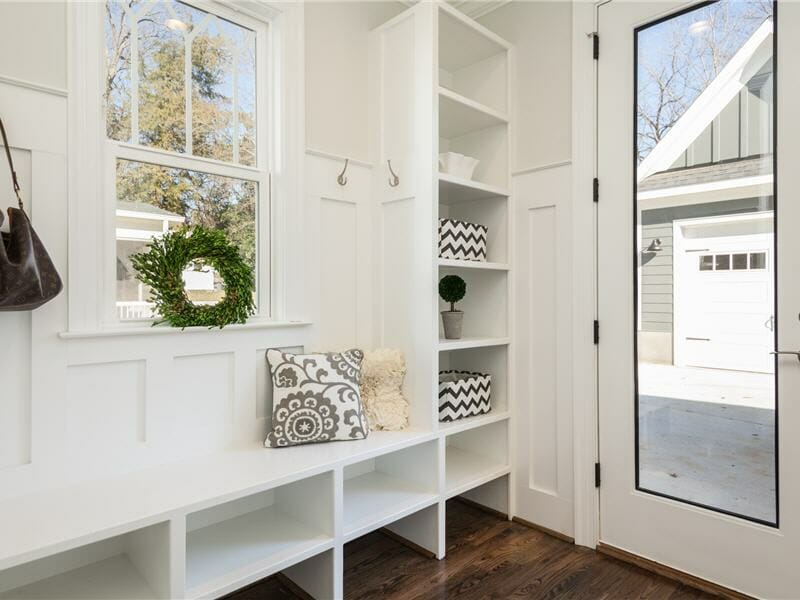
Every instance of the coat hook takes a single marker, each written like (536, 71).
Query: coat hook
(341, 179)
(394, 180)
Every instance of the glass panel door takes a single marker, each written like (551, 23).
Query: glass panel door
(705, 258)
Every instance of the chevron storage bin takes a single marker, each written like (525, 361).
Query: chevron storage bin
(463, 394)
(460, 240)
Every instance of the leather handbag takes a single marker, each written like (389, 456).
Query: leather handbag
(28, 277)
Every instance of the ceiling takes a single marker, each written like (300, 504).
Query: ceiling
(471, 8)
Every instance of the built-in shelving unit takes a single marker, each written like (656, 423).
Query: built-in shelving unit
(473, 92)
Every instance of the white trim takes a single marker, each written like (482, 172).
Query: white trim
(750, 57)
(586, 499)
(31, 85)
(338, 157)
(137, 329)
(712, 186)
(544, 167)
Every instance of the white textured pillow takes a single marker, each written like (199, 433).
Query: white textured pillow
(382, 374)
(316, 398)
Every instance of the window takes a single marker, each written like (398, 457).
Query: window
(736, 262)
(185, 118)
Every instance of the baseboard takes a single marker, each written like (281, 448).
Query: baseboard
(407, 543)
(543, 529)
(671, 573)
(481, 507)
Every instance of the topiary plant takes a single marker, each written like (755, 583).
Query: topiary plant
(452, 289)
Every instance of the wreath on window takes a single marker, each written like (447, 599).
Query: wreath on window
(161, 267)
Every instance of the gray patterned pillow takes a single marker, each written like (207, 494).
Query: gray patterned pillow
(316, 398)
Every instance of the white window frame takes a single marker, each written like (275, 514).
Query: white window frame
(278, 172)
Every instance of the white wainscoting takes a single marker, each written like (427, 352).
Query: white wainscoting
(83, 407)
(542, 282)
(340, 246)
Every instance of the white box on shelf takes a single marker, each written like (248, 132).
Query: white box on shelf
(461, 240)
(458, 165)
(463, 394)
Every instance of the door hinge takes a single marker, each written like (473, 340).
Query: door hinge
(597, 474)
(596, 189)
(595, 45)
(596, 331)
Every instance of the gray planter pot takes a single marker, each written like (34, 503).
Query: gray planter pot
(452, 320)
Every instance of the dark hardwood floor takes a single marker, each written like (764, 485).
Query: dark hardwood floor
(486, 558)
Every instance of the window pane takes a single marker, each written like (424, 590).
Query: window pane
(162, 93)
(169, 47)
(758, 260)
(118, 72)
(739, 262)
(152, 199)
(705, 385)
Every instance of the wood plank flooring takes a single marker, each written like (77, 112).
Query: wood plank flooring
(487, 558)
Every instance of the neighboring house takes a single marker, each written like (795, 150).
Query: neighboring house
(706, 216)
(136, 224)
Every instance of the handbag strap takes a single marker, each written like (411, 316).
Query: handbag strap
(14, 179)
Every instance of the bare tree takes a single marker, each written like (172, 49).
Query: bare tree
(680, 57)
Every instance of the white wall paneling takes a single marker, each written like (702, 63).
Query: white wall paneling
(543, 452)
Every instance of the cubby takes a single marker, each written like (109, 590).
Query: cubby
(475, 457)
(384, 489)
(492, 360)
(486, 304)
(492, 212)
(473, 62)
(233, 544)
(131, 566)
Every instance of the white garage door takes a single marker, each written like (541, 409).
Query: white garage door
(724, 307)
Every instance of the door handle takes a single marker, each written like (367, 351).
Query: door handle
(793, 353)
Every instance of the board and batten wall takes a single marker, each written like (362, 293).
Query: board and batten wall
(541, 102)
(84, 407)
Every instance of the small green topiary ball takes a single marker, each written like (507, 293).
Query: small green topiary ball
(452, 289)
(161, 267)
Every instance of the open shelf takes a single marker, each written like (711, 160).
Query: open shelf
(458, 115)
(464, 42)
(451, 427)
(485, 305)
(233, 544)
(455, 190)
(476, 456)
(473, 264)
(473, 61)
(466, 470)
(385, 489)
(121, 567)
(467, 342)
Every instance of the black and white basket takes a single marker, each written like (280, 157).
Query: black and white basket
(460, 240)
(463, 394)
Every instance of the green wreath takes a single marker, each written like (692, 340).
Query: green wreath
(161, 267)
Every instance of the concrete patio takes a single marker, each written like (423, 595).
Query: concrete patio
(707, 436)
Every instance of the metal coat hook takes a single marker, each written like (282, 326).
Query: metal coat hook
(341, 179)
(394, 180)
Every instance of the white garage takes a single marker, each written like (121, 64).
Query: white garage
(724, 292)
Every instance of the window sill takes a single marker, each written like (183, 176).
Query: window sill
(167, 330)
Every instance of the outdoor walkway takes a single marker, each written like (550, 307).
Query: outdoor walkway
(708, 436)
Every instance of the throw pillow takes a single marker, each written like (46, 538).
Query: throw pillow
(316, 398)
(382, 375)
